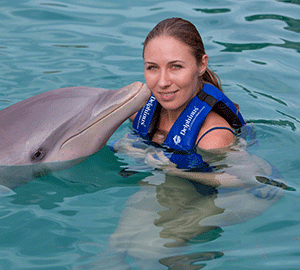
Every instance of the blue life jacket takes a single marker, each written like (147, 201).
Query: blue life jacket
(180, 144)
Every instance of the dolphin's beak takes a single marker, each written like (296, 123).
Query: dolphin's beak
(109, 114)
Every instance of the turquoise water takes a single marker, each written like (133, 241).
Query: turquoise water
(65, 220)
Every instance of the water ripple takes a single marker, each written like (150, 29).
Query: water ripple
(293, 24)
(64, 221)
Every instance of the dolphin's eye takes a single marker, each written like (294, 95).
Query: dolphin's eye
(38, 155)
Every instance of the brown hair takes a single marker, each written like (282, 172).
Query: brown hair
(187, 33)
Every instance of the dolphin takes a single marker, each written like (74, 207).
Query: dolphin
(58, 129)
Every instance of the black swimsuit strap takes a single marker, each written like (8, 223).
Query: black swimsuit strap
(214, 128)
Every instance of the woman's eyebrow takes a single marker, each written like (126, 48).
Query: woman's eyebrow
(149, 63)
(171, 62)
(176, 61)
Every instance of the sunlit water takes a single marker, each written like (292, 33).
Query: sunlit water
(68, 220)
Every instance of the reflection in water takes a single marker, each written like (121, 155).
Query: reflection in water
(297, 2)
(168, 214)
(51, 4)
(240, 47)
(271, 97)
(174, 208)
(293, 24)
(213, 10)
(42, 15)
(183, 205)
(161, 218)
(282, 123)
(186, 261)
(71, 46)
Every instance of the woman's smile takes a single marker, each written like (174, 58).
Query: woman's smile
(167, 96)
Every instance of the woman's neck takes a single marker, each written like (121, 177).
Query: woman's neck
(167, 118)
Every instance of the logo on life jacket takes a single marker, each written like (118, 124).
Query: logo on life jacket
(147, 110)
(177, 139)
(188, 121)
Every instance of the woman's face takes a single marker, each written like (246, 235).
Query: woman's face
(172, 72)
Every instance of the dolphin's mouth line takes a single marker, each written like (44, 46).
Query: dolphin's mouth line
(88, 127)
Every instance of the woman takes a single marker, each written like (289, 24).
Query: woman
(176, 72)
(187, 109)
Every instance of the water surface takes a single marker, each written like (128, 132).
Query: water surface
(65, 220)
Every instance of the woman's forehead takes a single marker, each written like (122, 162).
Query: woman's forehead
(167, 47)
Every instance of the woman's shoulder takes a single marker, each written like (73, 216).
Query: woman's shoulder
(215, 132)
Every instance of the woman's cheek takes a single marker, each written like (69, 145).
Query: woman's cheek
(150, 81)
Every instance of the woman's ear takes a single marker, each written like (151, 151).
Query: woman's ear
(203, 65)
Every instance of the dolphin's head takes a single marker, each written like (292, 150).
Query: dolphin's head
(65, 124)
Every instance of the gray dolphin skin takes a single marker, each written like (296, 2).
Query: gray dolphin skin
(58, 129)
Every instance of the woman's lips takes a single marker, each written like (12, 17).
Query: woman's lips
(168, 96)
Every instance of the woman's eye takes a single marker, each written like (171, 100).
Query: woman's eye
(176, 66)
(151, 68)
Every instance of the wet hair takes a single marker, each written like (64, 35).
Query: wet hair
(185, 32)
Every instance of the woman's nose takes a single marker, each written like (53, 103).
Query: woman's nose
(164, 79)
